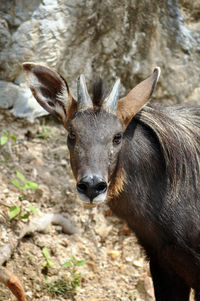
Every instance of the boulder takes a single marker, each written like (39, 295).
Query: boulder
(111, 38)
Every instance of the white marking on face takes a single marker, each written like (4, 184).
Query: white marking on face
(83, 197)
(100, 198)
(97, 200)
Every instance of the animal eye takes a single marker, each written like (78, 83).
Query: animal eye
(71, 135)
(117, 138)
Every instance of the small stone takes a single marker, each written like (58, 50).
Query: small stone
(129, 259)
(38, 287)
(137, 263)
(114, 253)
(92, 265)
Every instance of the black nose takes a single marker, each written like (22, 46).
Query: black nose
(92, 186)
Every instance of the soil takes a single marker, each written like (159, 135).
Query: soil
(116, 268)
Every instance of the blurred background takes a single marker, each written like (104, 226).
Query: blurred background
(111, 38)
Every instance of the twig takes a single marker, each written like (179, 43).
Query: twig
(42, 224)
(13, 283)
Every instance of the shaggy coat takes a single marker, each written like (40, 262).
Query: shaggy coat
(145, 160)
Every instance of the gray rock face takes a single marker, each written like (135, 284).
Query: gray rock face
(20, 100)
(125, 39)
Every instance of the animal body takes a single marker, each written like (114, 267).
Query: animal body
(144, 160)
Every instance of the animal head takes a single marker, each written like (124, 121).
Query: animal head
(95, 126)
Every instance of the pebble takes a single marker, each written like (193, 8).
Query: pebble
(137, 263)
(129, 259)
(114, 253)
(38, 287)
(29, 294)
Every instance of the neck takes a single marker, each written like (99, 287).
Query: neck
(140, 172)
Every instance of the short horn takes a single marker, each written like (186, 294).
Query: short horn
(84, 100)
(110, 103)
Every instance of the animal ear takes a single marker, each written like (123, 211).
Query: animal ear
(134, 101)
(50, 90)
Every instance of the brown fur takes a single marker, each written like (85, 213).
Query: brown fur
(133, 102)
(71, 111)
(117, 184)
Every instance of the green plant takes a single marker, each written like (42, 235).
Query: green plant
(6, 137)
(57, 287)
(14, 211)
(6, 157)
(66, 285)
(132, 293)
(25, 183)
(48, 263)
(75, 276)
(44, 134)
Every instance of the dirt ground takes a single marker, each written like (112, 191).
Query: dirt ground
(116, 268)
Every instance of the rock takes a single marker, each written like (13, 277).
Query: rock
(8, 94)
(111, 38)
(103, 230)
(145, 289)
(138, 263)
(20, 99)
(114, 253)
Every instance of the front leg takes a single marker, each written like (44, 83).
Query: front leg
(168, 286)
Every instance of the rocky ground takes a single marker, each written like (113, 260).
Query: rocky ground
(115, 269)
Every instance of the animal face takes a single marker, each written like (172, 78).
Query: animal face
(94, 142)
(95, 126)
